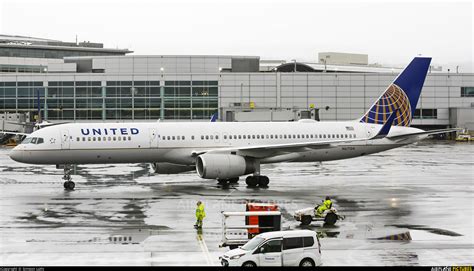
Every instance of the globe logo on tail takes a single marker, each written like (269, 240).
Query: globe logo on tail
(393, 98)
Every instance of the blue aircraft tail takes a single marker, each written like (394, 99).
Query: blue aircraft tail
(401, 96)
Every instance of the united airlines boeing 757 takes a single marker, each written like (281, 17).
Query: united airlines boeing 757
(227, 150)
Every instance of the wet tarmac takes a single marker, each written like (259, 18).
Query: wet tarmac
(125, 215)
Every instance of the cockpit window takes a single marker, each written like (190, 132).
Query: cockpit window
(26, 140)
(33, 140)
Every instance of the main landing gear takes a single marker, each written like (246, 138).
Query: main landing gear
(257, 180)
(68, 184)
(228, 181)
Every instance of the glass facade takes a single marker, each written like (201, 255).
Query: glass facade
(190, 99)
(425, 113)
(467, 91)
(52, 53)
(22, 68)
(98, 100)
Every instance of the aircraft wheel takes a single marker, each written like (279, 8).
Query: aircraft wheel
(69, 185)
(223, 181)
(234, 180)
(251, 181)
(263, 181)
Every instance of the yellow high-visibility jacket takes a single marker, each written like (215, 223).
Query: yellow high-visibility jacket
(200, 213)
(328, 203)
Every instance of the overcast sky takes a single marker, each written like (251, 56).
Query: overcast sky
(390, 32)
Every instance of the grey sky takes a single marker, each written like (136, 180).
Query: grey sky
(390, 32)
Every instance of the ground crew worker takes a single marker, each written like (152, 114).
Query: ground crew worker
(200, 214)
(327, 204)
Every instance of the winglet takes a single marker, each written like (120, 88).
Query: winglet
(386, 126)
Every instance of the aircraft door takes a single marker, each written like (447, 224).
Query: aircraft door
(65, 140)
(153, 138)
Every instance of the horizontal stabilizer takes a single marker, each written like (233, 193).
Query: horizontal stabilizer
(431, 132)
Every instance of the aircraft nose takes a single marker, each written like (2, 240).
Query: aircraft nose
(16, 154)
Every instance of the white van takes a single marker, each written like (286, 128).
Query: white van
(277, 248)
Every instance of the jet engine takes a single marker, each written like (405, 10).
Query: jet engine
(223, 166)
(169, 168)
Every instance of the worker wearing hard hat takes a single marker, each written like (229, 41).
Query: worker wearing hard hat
(327, 204)
(200, 214)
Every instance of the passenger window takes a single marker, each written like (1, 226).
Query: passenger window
(119, 138)
(253, 136)
(225, 137)
(258, 136)
(292, 243)
(83, 139)
(99, 138)
(183, 138)
(104, 139)
(271, 136)
(40, 140)
(88, 139)
(202, 137)
(129, 138)
(308, 241)
(217, 137)
(114, 138)
(271, 246)
(212, 137)
(240, 136)
(207, 137)
(178, 137)
(93, 139)
(78, 139)
(311, 135)
(192, 137)
(173, 138)
(109, 139)
(124, 138)
(245, 137)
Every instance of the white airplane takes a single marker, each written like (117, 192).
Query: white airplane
(227, 150)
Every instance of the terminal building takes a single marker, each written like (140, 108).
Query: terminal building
(86, 82)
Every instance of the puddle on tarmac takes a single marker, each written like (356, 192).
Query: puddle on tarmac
(425, 228)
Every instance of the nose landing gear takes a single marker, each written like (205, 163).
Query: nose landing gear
(68, 184)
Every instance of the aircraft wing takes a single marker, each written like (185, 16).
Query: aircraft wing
(261, 151)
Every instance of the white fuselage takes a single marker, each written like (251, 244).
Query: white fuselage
(100, 143)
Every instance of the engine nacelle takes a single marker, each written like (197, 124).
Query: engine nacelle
(169, 168)
(223, 166)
